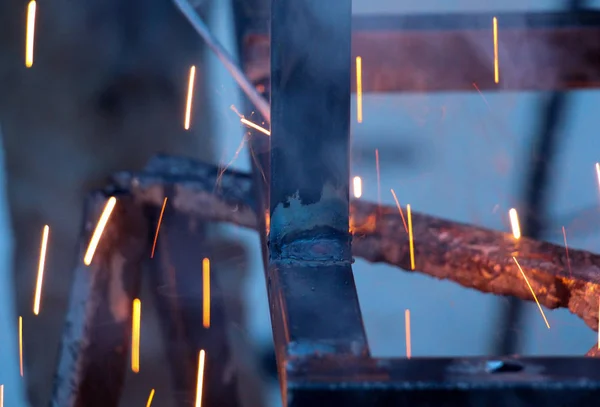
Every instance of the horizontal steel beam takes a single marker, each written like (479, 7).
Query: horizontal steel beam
(448, 382)
(455, 52)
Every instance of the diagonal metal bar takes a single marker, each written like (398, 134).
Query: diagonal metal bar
(94, 350)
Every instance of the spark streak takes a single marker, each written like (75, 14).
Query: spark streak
(30, 33)
(108, 208)
(200, 383)
(162, 211)
(598, 173)
(496, 67)
(190, 96)
(21, 345)
(378, 178)
(598, 323)
(1, 395)
(532, 292)
(567, 249)
(399, 210)
(410, 238)
(514, 223)
(135, 335)
(206, 292)
(150, 397)
(255, 126)
(357, 184)
(359, 110)
(407, 330)
(40, 276)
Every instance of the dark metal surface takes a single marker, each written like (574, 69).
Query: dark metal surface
(176, 276)
(448, 52)
(94, 350)
(309, 240)
(444, 382)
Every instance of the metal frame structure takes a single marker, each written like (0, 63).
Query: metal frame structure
(300, 181)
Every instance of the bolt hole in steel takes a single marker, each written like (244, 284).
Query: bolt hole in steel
(499, 366)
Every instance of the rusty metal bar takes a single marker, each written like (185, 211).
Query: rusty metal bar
(451, 52)
(176, 274)
(94, 350)
(314, 305)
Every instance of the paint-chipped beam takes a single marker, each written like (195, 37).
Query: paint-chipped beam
(312, 295)
(94, 354)
(451, 52)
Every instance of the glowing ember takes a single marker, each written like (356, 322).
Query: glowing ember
(399, 210)
(514, 223)
(598, 173)
(108, 208)
(1, 395)
(206, 293)
(150, 397)
(410, 238)
(30, 33)
(190, 96)
(407, 330)
(200, 382)
(162, 211)
(532, 292)
(135, 335)
(21, 345)
(359, 111)
(255, 126)
(496, 68)
(357, 184)
(40, 276)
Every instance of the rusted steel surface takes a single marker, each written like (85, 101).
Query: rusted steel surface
(94, 350)
(472, 256)
(176, 275)
(465, 382)
(451, 52)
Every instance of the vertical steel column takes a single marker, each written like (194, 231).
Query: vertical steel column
(314, 305)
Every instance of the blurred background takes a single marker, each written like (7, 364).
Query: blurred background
(107, 91)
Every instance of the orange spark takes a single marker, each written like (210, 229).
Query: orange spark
(359, 112)
(108, 208)
(40, 276)
(407, 330)
(200, 379)
(399, 210)
(567, 249)
(514, 223)
(410, 239)
(162, 211)
(255, 126)
(150, 397)
(598, 323)
(30, 33)
(206, 292)
(1, 395)
(135, 335)
(190, 96)
(598, 173)
(21, 345)
(357, 184)
(532, 292)
(378, 178)
(481, 94)
(496, 68)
